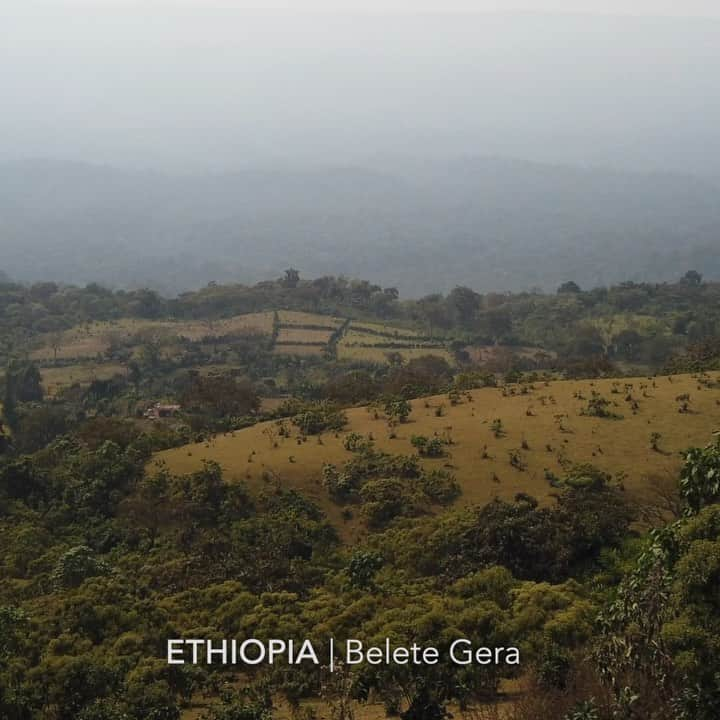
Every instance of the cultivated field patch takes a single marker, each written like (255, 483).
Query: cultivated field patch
(379, 355)
(54, 379)
(302, 335)
(382, 329)
(93, 339)
(290, 317)
(360, 337)
(303, 350)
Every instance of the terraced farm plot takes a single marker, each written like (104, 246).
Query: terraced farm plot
(302, 350)
(56, 378)
(252, 322)
(355, 336)
(87, 341)
(379, 355)
(299, 335)
(544, 428)
(291, 317)
(71, 347)
(390, 331)
(304, 334)
(370, 342)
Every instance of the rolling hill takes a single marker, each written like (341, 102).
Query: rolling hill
(543, 425)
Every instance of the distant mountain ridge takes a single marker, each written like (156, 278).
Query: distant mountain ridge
(491, 223)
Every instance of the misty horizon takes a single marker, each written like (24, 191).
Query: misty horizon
(420, 225)
(178, 144)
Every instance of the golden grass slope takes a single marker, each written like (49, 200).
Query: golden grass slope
(548, 418)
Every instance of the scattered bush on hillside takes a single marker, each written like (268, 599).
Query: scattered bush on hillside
(599, 407)
(355, 442)
(428, 447)
(497, 428)
(586, 476)
(397, 410)
(315, 418)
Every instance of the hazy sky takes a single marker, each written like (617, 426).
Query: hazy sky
(191, 83)
(625, 7)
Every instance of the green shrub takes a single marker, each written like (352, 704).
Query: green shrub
(319, 417)
(428, 447)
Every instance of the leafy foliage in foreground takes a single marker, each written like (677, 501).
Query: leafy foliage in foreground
(104, 561)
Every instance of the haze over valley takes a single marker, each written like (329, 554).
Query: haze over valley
(184, 145)
(490, 224)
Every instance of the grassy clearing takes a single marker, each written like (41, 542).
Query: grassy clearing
(55, 379)
(304, 350)
(554, 432)
(389, 330)
(91, 341)
(87, 341)
(303, 335)
(371, 342)
(252, 322)
(290, 317)
(379, 355)
(358, 337)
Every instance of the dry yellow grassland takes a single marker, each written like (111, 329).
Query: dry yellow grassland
(87, 341)
(290, 317)
(301, 335)
(379, 355)
(549, 415)
(307, 350)
(54, 379)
